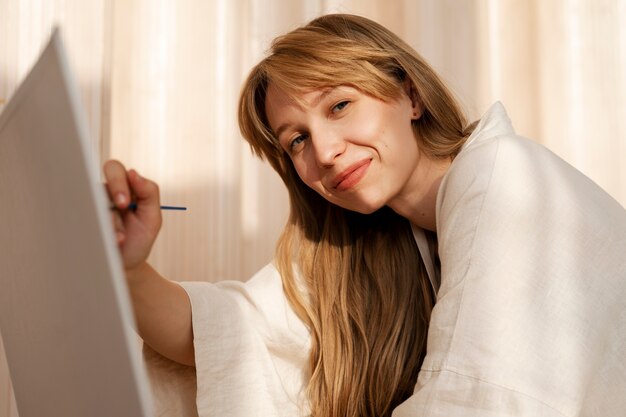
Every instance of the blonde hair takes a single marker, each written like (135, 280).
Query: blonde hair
(356, 280)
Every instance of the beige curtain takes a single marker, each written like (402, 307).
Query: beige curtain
(160, 79)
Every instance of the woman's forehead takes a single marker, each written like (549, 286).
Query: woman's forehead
(279, 97)
(280, 105)
(311, 97)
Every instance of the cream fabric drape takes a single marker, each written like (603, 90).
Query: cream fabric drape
(160, 80)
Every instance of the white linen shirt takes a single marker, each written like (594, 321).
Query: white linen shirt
(530, 318)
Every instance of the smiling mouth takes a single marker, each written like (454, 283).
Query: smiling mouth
(351, 176)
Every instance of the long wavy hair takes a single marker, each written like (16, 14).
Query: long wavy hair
(357, 281)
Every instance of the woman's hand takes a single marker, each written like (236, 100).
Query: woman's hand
(136, 228)
(162, 308)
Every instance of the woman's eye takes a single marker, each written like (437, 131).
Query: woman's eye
(297, 141)
(340, 106)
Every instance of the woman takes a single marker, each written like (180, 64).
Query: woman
(406, 222)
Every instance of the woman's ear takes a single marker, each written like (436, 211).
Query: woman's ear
(416, 102)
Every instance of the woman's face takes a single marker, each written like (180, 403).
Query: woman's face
(356, 151)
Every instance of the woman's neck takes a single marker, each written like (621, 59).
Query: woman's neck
(418, 200)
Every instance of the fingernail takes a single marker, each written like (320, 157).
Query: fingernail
(120, 199)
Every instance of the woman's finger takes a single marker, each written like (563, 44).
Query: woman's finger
(147, 198)
(118, 227)
(117, 183)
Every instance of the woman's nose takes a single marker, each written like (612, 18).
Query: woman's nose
(327, 147)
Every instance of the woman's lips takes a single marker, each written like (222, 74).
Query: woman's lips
(351, 175)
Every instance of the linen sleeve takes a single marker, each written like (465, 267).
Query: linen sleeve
(251, 349)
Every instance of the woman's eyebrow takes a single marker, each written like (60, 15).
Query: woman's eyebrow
(323, 94)
(314, 102)
(282, 128)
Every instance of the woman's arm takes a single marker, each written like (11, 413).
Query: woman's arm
(163, 313)
(162, 307)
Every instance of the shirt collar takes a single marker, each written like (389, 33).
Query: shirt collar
(495, 122)
(424, 250)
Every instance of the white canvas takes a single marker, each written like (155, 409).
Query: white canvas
(65, 313)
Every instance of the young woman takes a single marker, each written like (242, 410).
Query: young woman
(429, 267)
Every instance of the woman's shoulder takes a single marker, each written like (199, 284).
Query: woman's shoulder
(508, 179)
(513, 167)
